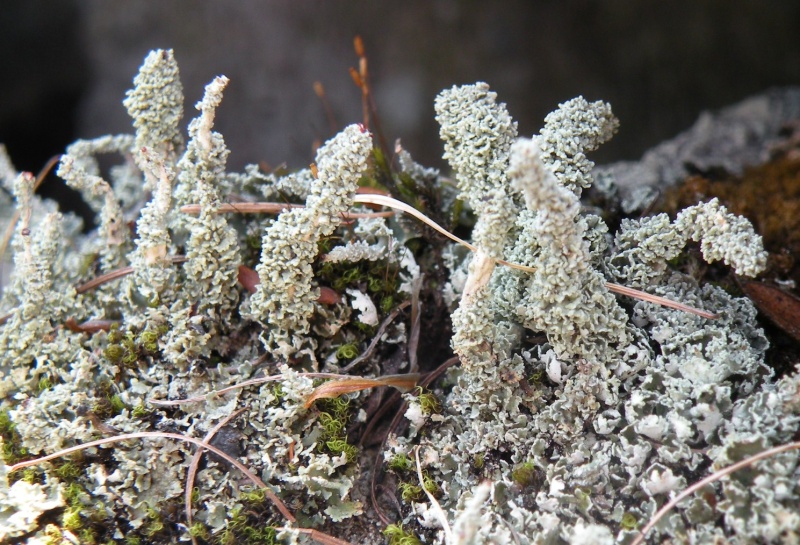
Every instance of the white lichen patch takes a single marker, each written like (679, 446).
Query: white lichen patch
(573, 413)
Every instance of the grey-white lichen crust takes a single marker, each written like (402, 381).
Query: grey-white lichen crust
(622, 406)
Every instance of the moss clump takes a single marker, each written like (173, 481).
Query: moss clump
(400, 463)
(525, 474)
(347, 351)
(628, 522)
(410, 492)
(428, 402)
(395, 535)
(333, 419)
(13, 451)
(246, 528)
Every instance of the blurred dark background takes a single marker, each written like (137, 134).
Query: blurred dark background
(67, 64)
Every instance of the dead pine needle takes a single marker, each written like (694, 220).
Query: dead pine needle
(115, 274)
(195, 464)
(165, 435)
(716, 476)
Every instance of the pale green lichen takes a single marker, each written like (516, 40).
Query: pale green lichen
(572, 417)
(285, 297)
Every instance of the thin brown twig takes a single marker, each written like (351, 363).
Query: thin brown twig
(319, 90)
(9, 232)
(317, 536)
(195, 463)
(165, 435)
(115, 274)
(376, 469)
(377, 337)
(716, 476)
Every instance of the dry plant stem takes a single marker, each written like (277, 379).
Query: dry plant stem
(435, 507)
(165, 435)
(319, 90)
(195, 463)
(716, 476)
(115, 274)
(416, 322)
(272, 208)
(317, 536)
(376, 469)
(48, 166)
(616, 288)
(245, 384)
(368, 352)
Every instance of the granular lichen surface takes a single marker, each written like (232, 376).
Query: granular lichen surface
(572, 415)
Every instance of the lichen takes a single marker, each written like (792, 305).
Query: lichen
(573, 415)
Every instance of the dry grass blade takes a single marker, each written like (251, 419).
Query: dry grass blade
(616, 288)
(416, 322)
(195, 463)
(252, 382)
(165, 435)
(390, 202)
(663, 301)
(272, 208)
(438, 512)
(716, 476)
(335, 388)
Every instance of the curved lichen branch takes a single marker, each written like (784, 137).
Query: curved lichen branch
(284, 298)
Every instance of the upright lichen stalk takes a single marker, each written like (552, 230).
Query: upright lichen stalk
(285, 297)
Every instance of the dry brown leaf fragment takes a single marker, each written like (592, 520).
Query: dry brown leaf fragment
(336, 388)
(781, 307)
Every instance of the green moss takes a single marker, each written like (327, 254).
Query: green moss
(430, 485)
(44, 384)
(199, 530)
(255, 496)
(140, 411)
(399, 462)
(154, 524)
(114, 353)
(332, 426)
(341, 446)
(628, 521)
(149, 340)
(347, 351)
(31, 475)
(68, 471)
(71, 519)
(395, 535)
(525, 474)
(13, 451)
(428, 402)
(387, 302)
(410, 492)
